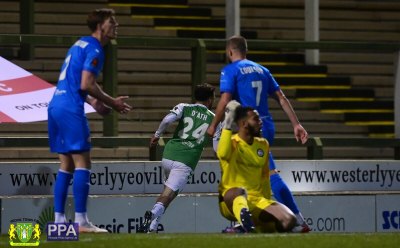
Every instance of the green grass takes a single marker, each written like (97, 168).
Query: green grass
(313, 240)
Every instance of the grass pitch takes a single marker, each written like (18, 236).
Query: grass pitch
(312, 240)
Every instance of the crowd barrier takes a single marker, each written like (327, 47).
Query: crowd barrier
(334, 196)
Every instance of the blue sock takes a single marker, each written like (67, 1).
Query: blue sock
(282, 193)
(81, 189)
(61, 190)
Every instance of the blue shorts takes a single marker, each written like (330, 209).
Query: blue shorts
(68, 130)
(268, 129)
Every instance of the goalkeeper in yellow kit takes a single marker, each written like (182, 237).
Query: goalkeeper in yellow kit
(245, 190)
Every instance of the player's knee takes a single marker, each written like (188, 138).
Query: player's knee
(231, 194)
(234, 192)
(288, 223)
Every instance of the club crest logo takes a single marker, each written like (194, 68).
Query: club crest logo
(260, 152)
(94, 62)
(24, 234)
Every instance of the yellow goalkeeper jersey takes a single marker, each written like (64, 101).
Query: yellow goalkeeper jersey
(244, 165)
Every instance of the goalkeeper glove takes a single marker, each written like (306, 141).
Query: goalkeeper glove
(230, 113)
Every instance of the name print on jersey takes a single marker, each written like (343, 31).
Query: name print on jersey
(199, 115)
(251, 69)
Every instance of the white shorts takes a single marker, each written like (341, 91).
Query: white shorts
(176, 174)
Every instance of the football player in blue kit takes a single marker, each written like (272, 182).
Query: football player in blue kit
(251, 84)
(68, 127)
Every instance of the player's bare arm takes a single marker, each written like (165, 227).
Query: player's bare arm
(219, 112)
(90, 85)
(299, 132)
(98, 105)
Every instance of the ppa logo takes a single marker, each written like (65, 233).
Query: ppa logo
(62, 232)
(391, 219)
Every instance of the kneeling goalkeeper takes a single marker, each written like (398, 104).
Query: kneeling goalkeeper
(245, 190)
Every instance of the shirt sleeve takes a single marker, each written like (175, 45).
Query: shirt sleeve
(265, 180)
(178, 110)
(217, 136)
(168, 119)
(93, 61)
(174, 115)
(224, 149)
(227, 80)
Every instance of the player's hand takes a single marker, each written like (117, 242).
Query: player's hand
(154, 141)
(230, 113)
(121, 106)
(300, 134)
(211, 131)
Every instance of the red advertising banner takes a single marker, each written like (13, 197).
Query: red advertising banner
(24, 97)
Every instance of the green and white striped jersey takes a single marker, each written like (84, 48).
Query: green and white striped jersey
(190, 137)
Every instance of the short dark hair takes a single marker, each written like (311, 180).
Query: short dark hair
(237, 42)
(98, 16)
(241, 112)
(203, 92)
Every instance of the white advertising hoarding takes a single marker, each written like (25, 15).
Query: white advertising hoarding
(388, 213)
(199, 213)
(123, 214)
(147, 177)
(326, 175)
(346, 213)
(106, 178)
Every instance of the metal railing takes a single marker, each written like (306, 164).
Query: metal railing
(315, 145)
(198, 48)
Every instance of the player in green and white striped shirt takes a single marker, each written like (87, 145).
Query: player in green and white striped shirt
(183, 151)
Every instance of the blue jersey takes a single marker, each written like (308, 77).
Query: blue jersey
(68, 127)
(85, 55)
(249, 83)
